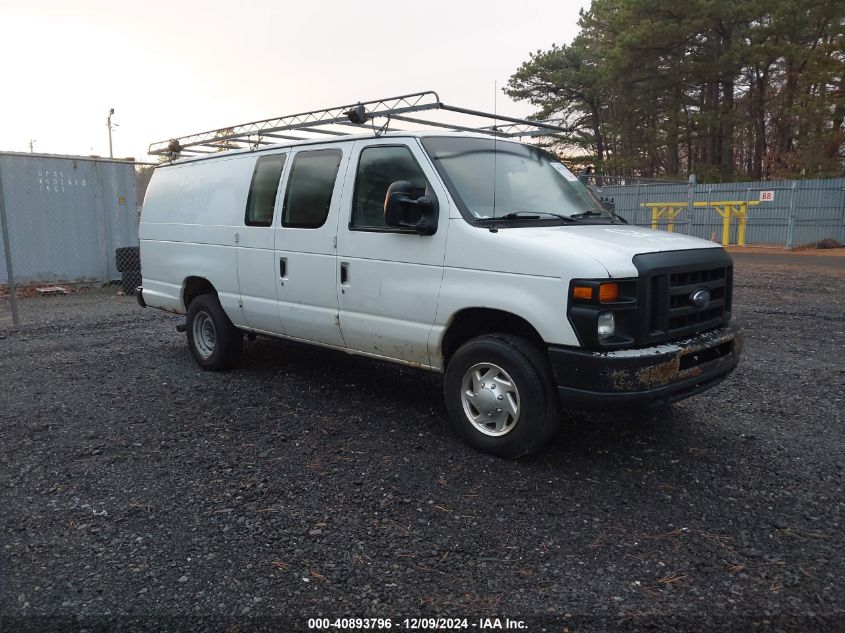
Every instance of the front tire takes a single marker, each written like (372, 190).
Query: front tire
(214, 342)
(500, 395)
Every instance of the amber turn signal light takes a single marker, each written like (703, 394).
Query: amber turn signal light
(608, 292)
(584, 293)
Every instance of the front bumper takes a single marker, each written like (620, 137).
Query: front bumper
(647, 376)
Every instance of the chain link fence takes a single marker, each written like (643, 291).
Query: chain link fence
(68, 223)
(788, 213)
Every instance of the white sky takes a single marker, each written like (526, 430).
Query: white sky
(173, 67)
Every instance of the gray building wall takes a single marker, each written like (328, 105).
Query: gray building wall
(66, 216)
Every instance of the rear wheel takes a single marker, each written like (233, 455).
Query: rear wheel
(500, 395)
(214, 342)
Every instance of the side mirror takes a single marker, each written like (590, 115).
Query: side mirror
(405, 212)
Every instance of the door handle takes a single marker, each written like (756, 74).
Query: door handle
(283, 267)
(344, 274)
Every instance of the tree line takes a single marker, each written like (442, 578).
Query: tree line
(725, 89)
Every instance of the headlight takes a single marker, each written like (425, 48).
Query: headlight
(606, 325)
(604, 313)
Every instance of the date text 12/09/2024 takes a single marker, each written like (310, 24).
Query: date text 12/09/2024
(416, 624)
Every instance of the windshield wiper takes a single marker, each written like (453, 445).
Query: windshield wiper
(531, 215)
(587, 213)
(590, 213)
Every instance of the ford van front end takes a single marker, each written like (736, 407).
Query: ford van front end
(660, 337)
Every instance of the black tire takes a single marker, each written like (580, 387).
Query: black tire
(528, 369)
(127, 258)
(130, 280)
(205, 311)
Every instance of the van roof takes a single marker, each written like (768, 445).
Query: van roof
(336, 124)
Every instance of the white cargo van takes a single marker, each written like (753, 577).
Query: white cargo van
(463, 253)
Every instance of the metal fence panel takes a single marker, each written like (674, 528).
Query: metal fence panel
(66, 216)
(8, 302)
(799, 211)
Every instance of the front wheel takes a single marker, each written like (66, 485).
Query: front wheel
(500, 395)
(215, 343)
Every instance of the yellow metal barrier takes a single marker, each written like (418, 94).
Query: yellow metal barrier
(728, 209)
(668, 210)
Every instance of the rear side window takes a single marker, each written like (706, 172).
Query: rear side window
(378, 168)
(262, 191)
(309, 193)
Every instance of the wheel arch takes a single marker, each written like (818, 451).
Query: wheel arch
(468, 323)
(193, 287)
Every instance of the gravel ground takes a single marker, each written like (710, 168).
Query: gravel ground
(138, 491)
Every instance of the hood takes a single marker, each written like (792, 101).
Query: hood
(613, 246)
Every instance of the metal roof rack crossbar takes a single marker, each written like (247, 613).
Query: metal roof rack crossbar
(325, 123)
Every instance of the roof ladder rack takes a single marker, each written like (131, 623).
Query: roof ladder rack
(337, 121)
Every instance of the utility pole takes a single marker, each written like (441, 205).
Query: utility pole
(110, 126)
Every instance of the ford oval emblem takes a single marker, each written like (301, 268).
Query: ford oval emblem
(700, 298)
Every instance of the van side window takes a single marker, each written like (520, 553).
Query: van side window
(262, 190)
(378, 168)
(309, 193)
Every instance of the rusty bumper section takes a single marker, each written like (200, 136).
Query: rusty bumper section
(647, 376)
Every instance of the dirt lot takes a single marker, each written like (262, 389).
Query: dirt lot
(138, 491)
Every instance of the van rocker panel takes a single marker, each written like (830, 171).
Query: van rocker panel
(646, 376)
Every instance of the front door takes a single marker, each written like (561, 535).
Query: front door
(388, 279)
(306, 260)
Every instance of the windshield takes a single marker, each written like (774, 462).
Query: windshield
(529, 182)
